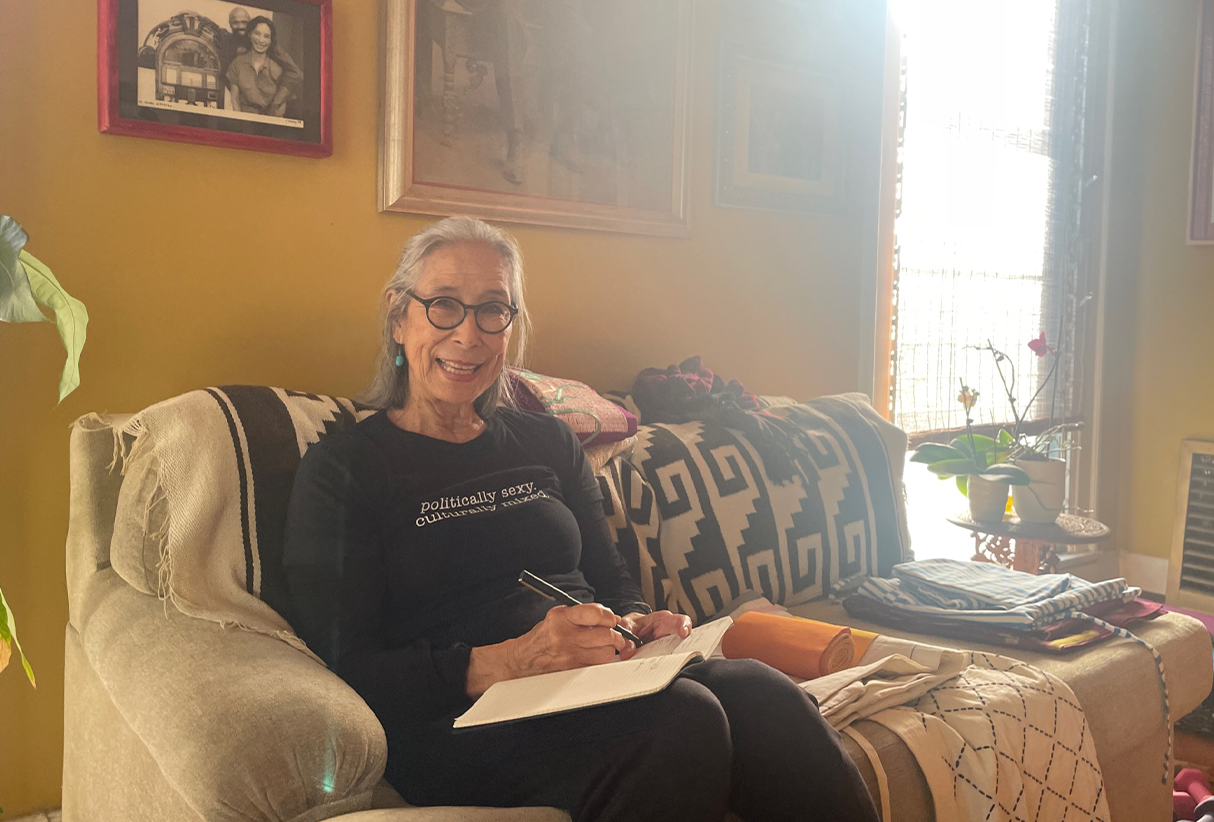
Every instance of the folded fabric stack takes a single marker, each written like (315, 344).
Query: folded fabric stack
(990, 603)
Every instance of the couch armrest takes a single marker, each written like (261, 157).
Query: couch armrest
(242, 725)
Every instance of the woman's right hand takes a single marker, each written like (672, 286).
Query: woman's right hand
(570, 636)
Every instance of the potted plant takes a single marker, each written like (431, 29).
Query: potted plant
(978, 462)
(25, 284)
(1042, 499)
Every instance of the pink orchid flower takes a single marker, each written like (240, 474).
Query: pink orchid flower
(1039, 346)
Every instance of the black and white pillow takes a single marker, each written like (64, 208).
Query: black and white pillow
(700, 521)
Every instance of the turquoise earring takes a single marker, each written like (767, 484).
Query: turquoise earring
(400, 360)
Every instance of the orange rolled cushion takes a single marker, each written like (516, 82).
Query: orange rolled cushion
(802, 648)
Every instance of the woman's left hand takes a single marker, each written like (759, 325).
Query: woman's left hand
(656, 625)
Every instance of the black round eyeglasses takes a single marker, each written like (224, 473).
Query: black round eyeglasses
(445, 313)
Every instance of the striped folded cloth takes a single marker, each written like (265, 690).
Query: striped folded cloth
(990, 594)
(801, 648)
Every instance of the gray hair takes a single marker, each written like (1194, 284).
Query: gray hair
(390, 387)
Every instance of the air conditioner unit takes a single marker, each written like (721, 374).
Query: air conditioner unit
(1191, 569)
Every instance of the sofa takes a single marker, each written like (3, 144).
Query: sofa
(188, 697)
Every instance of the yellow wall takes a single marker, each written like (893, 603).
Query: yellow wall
(283, 291)
(1160, 353)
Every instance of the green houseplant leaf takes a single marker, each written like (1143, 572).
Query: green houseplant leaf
(950, 468)
(16, 297)
(1009, 474)
(8, 636)
(931, 452)
(71, 318)
(25, 283)
(982, 444)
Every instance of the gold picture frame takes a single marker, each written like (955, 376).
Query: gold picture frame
(584, 123)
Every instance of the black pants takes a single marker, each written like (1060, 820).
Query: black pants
(726, 734)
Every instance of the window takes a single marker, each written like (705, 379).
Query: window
(995, 218)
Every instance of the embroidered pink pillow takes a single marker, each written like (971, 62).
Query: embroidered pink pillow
(595, 421)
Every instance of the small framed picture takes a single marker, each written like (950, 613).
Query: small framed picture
(253, 76)
(1201, 179)
(780, 143)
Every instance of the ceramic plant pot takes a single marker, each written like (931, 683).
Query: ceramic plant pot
(1041, 500)
(988, 500)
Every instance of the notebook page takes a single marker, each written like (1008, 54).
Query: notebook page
(705, 639)
(568, 690)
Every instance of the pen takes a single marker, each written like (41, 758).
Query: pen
(549, 591)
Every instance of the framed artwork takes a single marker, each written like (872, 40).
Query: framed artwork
(780, 142)
(242, 75)
(1201, 176)
(551, 112)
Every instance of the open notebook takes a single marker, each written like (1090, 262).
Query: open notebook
(654, 667)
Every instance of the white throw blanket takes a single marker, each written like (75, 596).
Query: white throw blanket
(997, 739)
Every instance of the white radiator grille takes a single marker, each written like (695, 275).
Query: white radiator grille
(1197, 565)
(1191, 569)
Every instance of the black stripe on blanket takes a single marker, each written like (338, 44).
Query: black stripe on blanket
(243, 479)
(274, 458)
(274, 423)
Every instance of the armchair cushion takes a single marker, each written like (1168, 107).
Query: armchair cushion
(242, 726)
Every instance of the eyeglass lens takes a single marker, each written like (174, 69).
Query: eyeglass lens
(491, 318)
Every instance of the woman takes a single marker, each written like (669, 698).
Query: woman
(259, 83)
(405, 538)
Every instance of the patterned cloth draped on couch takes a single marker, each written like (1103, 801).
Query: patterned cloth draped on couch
(694, 496)
(701, 522)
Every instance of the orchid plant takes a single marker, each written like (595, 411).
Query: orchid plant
(971, 455)
(1021, 446)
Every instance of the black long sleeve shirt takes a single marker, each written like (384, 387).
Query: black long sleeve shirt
(403, 552)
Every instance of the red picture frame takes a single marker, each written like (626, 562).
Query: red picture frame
(158, 74)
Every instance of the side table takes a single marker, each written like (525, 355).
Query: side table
(1029, 546)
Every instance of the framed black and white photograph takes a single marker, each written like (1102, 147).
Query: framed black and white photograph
(550, 112)
(242, 75)
(780, 133)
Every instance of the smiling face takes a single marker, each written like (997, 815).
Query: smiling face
(261, 37)
(449, 369)
(238, 20)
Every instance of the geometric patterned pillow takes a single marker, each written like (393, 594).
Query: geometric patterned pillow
(700, 522)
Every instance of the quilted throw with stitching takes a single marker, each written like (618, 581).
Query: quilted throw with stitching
(1003, 742)
(701, 522)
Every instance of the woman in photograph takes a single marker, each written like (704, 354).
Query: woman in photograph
(405, 537)
(258, 82)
